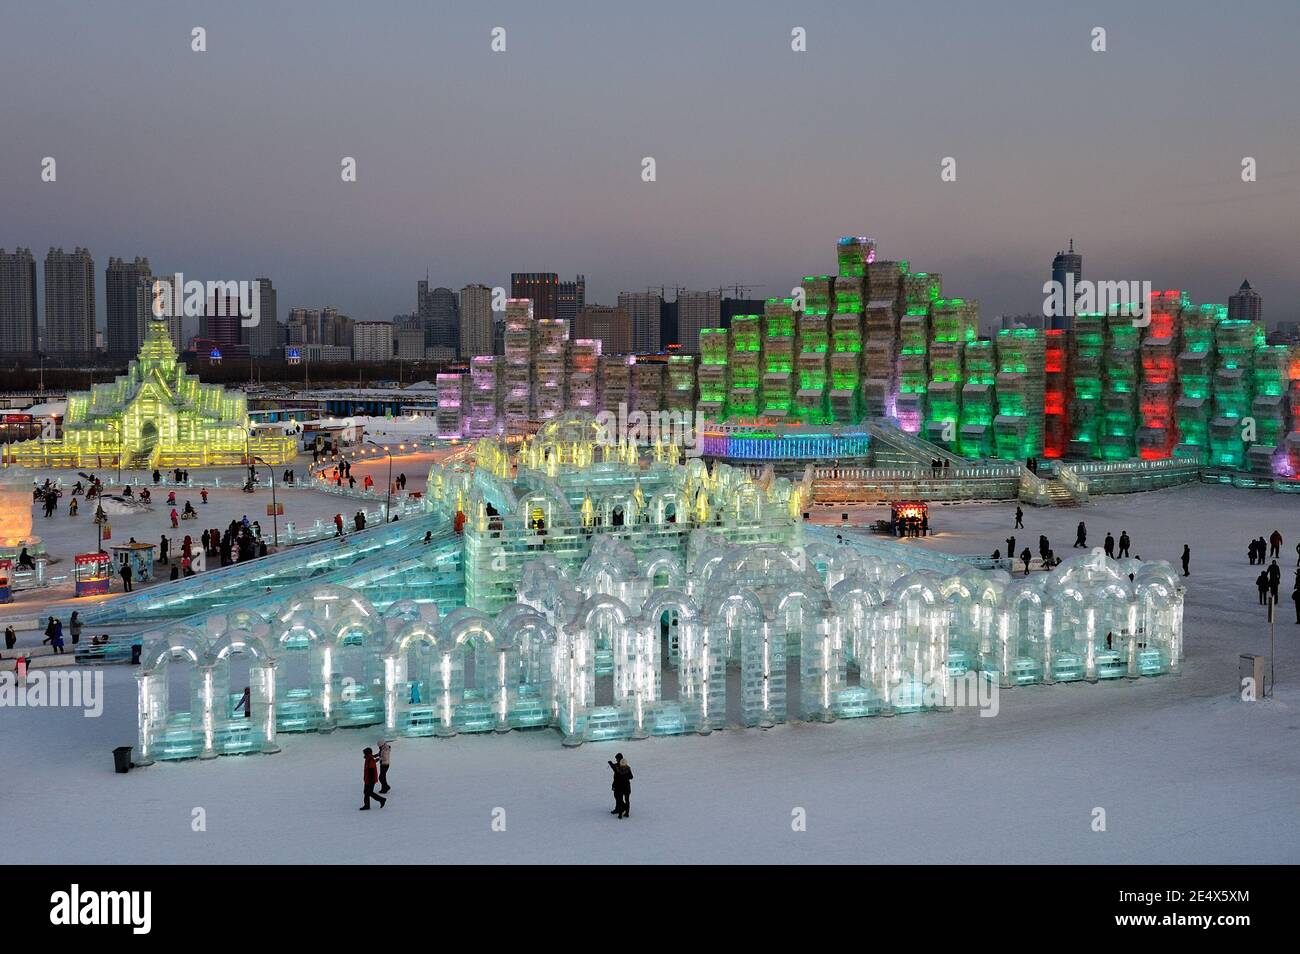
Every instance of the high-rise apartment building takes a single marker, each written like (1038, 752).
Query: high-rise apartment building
(408, 336)
(439, 310)
(372, 341)
(1246, 305)
(19, 329)
(70, 304)
(643, 312)
(542, 289)
(570, 300)
(308, 326)
(267, 336)
(125, 283)
(475, 321)
(696, 310)
(221, 325)
(607, 325)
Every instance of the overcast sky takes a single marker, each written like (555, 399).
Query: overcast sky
(472, 164)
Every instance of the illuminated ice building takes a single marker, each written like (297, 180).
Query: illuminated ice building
(155, 415)
(609, 593)
(884, 346)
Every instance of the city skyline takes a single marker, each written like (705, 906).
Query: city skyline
(750, 177)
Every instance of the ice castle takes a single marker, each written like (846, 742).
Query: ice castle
(611, 592)
(155, 415)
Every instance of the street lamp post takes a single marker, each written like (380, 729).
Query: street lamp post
(275, 515)
(388, 495)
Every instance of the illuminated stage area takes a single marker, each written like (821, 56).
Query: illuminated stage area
(157, 415)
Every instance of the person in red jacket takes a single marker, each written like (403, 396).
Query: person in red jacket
(370, 775)
(338, 525)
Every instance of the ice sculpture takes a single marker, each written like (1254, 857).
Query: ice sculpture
(614, 598)
(155, 415)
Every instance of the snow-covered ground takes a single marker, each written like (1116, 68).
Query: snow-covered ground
(1183, 770)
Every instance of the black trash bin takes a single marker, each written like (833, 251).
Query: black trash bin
(122, 759)
(135, 654)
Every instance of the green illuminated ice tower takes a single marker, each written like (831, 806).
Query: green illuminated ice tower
(777, 395)
(1196, 367)
(919, 290)
(954, 324)
(1087, 368)
(745, 365)
(880, 346)
(812, 358)
(1021, 383)
(846, 350)
(712, 373)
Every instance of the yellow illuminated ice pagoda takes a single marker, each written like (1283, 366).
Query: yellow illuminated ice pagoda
(155, 415)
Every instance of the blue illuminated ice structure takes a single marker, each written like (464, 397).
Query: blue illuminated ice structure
(610, 596)
(634, 645)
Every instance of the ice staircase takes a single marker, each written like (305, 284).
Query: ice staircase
(891, 446)
(1059, 494)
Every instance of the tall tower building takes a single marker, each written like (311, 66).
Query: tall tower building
(570, 300)
(697, 310)
(439, 312)
(19, 330)
(267, 336)
(475, 321)
(70, 303)
(1064, 265)
(542, 289)
(1246, 305)
(643, 312)
(126, 313)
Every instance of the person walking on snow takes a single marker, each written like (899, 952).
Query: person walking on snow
(1261, 584)
(370, 775)
(1109, 546)
(1274, 579)
(1020, 519)
(1187, 559)
(1025, 557)
(1081, 535)
(385, 754)
(622, 786)
(1123, 543)
(1275, 545)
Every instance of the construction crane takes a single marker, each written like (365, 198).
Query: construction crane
(741, 291)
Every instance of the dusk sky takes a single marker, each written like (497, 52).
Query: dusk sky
(472, 164)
